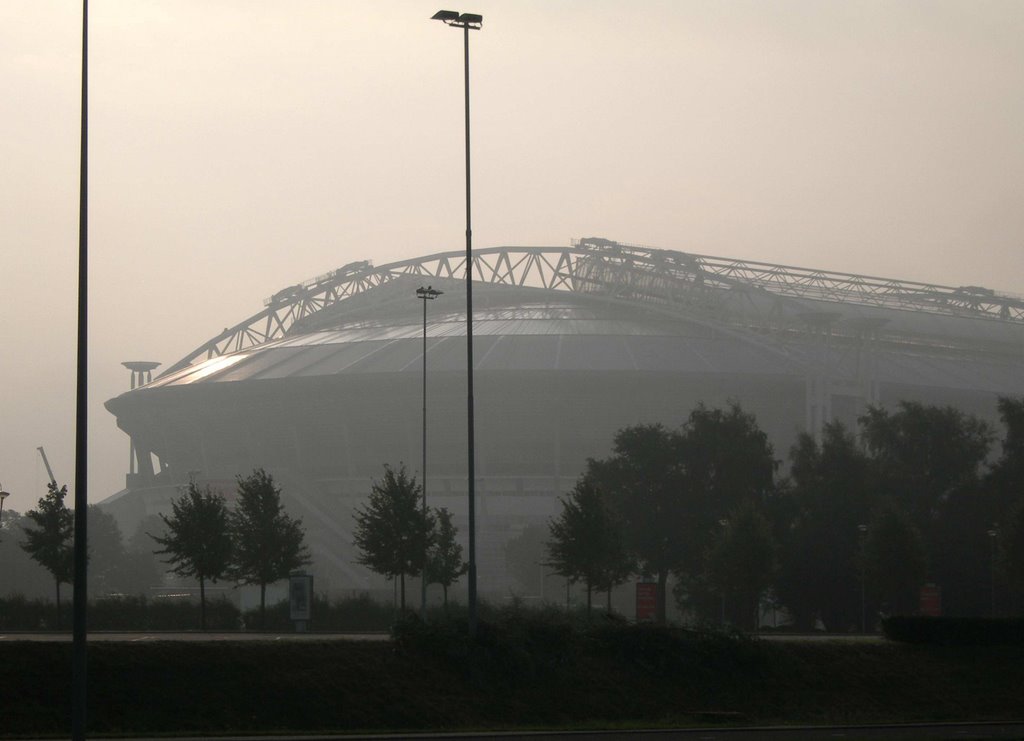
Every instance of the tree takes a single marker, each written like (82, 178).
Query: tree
(444, 560)
(268, 544)
(1006, 479)
(647, 491)
(586, 542)
(21, 574)
(895, 561)
(924, 455)
(1005, 483)
(1011, 554)
(197, 542)
(830, 496)
(742, 560)
(393, 533)
(670, 488)
(727, 459)
(926, 460)
(51, 542)
(107, 556)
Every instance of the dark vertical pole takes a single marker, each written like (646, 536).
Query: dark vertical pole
(423, 478)
(992, 541)
(78, 666)
(469, 358)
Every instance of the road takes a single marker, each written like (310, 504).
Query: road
(910, 732)
(136, 637)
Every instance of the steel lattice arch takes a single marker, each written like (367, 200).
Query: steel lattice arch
(322, 386)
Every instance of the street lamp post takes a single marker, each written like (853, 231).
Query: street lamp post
(863, 529)
(993, 534)
(724, 523)
(79, 630)
(468, 22)
(426, 294)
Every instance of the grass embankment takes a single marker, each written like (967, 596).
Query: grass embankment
(522, 672)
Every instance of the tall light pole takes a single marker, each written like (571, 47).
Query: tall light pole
(863, 530)
(993, 534)
(78, 654)
(426, 294)
(467, 22)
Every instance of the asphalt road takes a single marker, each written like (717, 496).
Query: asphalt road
(136, 637)
(910, 732)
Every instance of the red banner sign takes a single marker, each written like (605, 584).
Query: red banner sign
(646, 601)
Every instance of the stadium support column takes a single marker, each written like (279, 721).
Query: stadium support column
(818, 396)
(867, 357)
(142, 373)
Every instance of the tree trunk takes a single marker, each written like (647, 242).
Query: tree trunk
(402, 601)
(661, 615)
(202, 604)
(445, 588)
(609, 600)
(589, 590)
(58, 606)
(263, 605)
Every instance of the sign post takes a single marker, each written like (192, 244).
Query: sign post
(931, 600)
(646, 601)
(300, 598)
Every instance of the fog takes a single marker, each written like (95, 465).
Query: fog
(240, 146)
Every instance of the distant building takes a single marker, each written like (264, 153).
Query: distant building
(323, 386)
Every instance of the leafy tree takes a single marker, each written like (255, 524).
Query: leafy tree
(51, 542)
(197, 542)
(895, 562)
(670, 488)
(1005, 484)
(268, 544)
(586, 542)
(107, 556)
(924, 455)
(393, 533)
(927, 461)
(727, 459)
(444, 560)
(646, 488)
(1011, 554)
(742, 560)
(21, 574)
(830, 496)
(143, 569)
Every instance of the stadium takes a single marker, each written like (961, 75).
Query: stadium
(324, 385)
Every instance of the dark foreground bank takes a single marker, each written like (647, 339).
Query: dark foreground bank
(520, 672)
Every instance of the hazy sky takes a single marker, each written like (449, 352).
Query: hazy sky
(239, 146)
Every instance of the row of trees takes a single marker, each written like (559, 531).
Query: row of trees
(397, 536)
(856, 523)
(255, 543)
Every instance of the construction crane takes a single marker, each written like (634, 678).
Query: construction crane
(46, 463)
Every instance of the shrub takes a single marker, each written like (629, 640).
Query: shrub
(955, 631)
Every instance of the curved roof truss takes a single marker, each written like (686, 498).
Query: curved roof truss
(734, 291)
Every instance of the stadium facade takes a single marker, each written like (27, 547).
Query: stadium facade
(323, 386)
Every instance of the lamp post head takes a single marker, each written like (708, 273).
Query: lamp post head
(3, 494)
(455, 18)
(428, 293)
